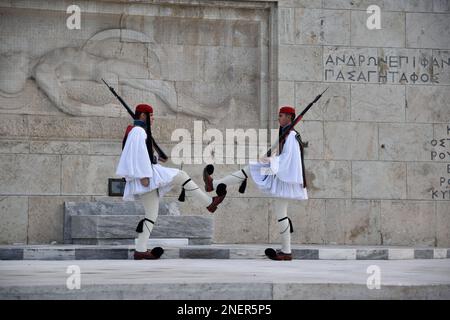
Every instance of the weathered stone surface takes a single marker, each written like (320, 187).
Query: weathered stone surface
(300, 63)
(44, 254)
(286, 93)
(378, 103)
(443, 224)
(353, 221)
(351, 141)
(328, 179)
(424, 181)
(441, 65)
(426, 30)
(334, 105)
(436, 112)
(30, 174)
(286, 25)
(96, 254)
(11, 254)
(440, 253)
(300, 3)
(46, 218)
(441, 6)
(390, 35)
(351, 4)
(235, 223)
(13, 219)
(312, 132)
(408, 223)
(305, 254)
(378, 180)
(337, 254)
(14, 146)
(405, 142)
(408, 5)
(308, 220)
(59, 147)
(13, 125)
(328, 27)
(87, 175)
(401, 254)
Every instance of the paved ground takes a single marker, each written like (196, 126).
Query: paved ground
(226, 279)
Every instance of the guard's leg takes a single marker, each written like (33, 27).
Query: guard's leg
(190, 188)
(238, 177)
(285, 227)
(150, 201)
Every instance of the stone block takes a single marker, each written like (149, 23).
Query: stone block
(328, 179)
(378, 180)
(436, 99)
(337, 254)
(308, 220)
(401, 254)
(423, 254)
(87, 174)
(30, 174)
(443, 224)
(48, 254)
(192, 253)
(101, 254)
(424, 181)
(372, 254)
(408, 223)
(334, 104)
(380, 103)
(405, 142)
(425, 30)
(13, 219)
(318, 26)
(440, 253)
(392, 33)
(351, 141)
(353, 222)
(300, 63)
(305, 254)
(11, 254)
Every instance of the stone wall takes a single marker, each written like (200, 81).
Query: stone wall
(375, 164)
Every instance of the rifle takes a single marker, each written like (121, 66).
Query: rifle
(161, 153)
(292, 125)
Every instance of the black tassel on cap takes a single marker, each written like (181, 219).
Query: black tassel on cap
(140, 226)
(244, 183)
(182, 196)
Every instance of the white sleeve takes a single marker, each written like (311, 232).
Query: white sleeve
(288, 165)
(134, 161)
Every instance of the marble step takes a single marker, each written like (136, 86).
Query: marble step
(114, 223)
(217, 251)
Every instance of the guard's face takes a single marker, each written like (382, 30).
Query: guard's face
(284, 119)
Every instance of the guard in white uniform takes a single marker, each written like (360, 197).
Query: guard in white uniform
(281, 176)
(147, 180)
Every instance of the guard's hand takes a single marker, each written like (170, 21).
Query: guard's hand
(145, 182)
(264, 160)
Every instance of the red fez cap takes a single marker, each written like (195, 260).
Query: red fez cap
(287, 109)
(144, 108)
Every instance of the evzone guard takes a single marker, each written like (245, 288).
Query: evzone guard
(281, 176)
(147, 180)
